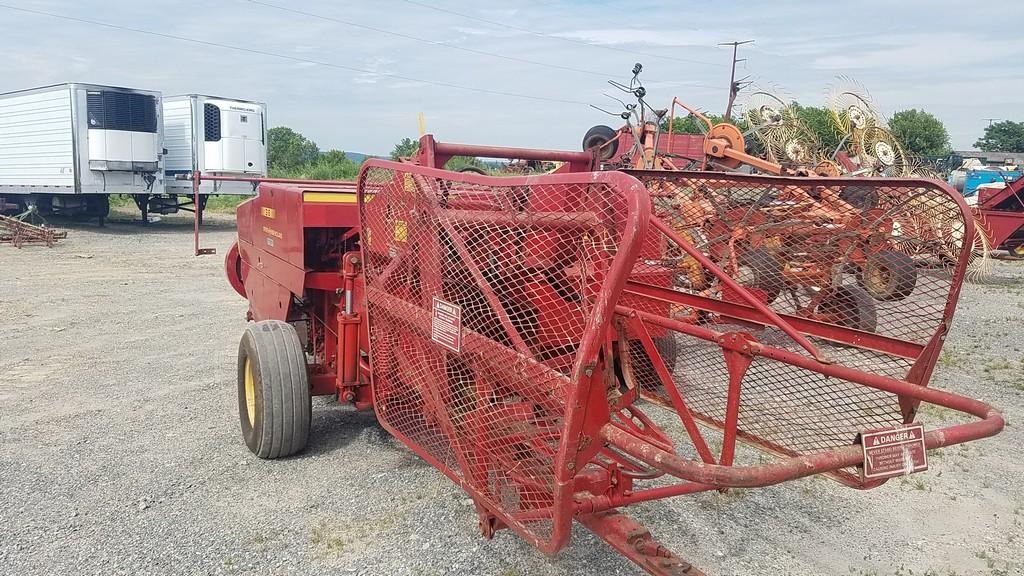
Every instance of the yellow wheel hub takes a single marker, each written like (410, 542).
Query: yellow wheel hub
(250, 393)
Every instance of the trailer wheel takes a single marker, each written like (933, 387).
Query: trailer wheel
(888, 275)
(850, 306)
(273, 390)
(97, 206)
(758, 269)
(598, 136)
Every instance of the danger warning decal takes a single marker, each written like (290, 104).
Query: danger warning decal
(894, 451)
(446, 325)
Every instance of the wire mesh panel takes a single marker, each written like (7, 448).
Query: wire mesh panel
(876, 255)
(482, 296)
(868, 270)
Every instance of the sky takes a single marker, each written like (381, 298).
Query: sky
(521, 73)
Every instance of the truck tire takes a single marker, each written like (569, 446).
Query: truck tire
(597, 136)
(888, 275)
(273, 390)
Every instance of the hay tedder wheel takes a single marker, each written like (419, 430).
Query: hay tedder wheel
(888, 275)
(598, 136)
(273, 390)
(759, 269)
(850, 306)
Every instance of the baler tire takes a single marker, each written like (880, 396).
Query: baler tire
(272, 376)
(888, 275)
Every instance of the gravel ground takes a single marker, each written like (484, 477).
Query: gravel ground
(120, 451)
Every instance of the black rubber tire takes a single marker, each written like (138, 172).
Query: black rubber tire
(643, 368)
(597, 136)
(97, 206)
(473, 170)
(860, 197)
(853, 308)
(766, 270)
(888, 275)
(281, 416)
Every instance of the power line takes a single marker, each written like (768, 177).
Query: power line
(426, 40)
(288, 57)
(552, 36)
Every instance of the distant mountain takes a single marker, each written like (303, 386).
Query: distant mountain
(358, 156)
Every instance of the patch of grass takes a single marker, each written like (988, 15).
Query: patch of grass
(935, 411)
(951, 358)
(997, 364)
(225, 204)
(731, 495)
(324, 535)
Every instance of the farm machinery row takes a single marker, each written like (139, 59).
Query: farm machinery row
(567, 344)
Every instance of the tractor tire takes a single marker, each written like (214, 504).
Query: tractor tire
(759, 269)
(473, 170)
(598, 136)
(274, 402)
(888, 275)
(852, 307)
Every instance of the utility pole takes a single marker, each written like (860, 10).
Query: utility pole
(991, 120)
(734, 86)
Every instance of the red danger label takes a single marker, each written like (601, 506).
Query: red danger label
(894, 451)
(446, 325)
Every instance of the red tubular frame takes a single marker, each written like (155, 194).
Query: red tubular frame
(583, 373)
(606, 443)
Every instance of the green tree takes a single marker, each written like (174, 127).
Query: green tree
(289, 150)
(331, 165)
(1005, 136)
(690, 124)
(819, 122)
(405, 148)
(459, 162)
(920, 132)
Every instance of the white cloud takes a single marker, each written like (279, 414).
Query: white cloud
(933, 55)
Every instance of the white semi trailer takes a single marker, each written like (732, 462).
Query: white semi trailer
(67, 147)
(214, 136)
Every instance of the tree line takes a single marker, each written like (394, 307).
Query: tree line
(292, 155)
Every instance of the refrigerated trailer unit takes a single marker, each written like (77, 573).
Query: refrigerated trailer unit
(67, 147)
(213, 136)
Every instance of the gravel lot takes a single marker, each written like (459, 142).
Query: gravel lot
(120, 451)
